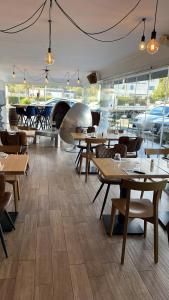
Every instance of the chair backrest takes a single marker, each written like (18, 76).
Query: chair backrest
(47, 111)
(151, 151)
(31, 111)
(90, 129)
(95, 118)
(20, 110)
(17, 138)
(139, 143)
(155, 187)
(120, 148)
(133, 144)
(103, 152)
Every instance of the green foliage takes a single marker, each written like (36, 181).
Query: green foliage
(25, 101)
(161, 90)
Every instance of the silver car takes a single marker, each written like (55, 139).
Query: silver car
(147, 120)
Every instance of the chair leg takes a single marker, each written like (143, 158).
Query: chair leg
(113, 214)
(100, 188)
(77, 157)
(80, 165)
(3, 241)
(124, 238)
(141, 196)
(156, 241)
(105, 198)
(18, 189)
(87, 168)
(15, 192)
(9, 219)
(145, 228)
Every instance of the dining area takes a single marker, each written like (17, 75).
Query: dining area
(58, 224)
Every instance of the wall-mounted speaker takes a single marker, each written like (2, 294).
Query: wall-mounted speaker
(92, 78)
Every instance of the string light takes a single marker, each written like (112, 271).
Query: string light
(153, 45)
(78, 80)
(142, 44)
(24, 80)
(13, 73)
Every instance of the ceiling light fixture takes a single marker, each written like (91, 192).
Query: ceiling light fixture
(142, 44)
(24, 80)
(13, 73)
(50, 58)
(153, 45)
(78, 80)
(46, 75)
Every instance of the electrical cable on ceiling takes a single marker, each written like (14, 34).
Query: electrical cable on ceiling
(89, 34)
(19, 30)
(99, 32)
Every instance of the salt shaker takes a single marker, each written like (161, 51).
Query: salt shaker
(152, 165)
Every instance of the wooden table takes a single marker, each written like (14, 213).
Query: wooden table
(109, 137)
(13, 165)
(89, 139)
(123, 169)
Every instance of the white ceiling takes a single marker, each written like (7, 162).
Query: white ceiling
(72, 49)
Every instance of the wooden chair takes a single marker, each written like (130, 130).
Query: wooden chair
(158, 152)
(144, 209)
(88, 155)
(133, 145)
(103, 152)
(5, 198)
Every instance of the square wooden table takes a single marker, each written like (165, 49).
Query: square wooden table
(124, 169)
(13, 165)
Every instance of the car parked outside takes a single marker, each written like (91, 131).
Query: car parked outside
(147, 120)
(54, 101)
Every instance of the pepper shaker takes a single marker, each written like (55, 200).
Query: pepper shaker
(152, 165)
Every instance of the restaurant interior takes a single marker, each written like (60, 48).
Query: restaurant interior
(84, 150)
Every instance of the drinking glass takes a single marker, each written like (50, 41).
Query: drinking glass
(117, 156)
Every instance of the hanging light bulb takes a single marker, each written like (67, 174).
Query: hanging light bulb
(153, 45)
(68, 82)
(49, 57)
(142, 44)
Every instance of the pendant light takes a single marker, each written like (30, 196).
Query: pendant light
(153, 45)
(49, 57)
(78, 80)
(46, 75)
(142, 44)
(24, 79)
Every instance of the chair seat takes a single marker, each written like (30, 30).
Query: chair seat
(109, 181)
(5, 200)
(139, 208)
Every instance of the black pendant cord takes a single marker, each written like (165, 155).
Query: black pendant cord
(41, 9)
(155, 18)
(50, 24)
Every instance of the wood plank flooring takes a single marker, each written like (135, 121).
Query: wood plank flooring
(59, 249)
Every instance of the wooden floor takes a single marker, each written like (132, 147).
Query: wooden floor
(59, 249)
